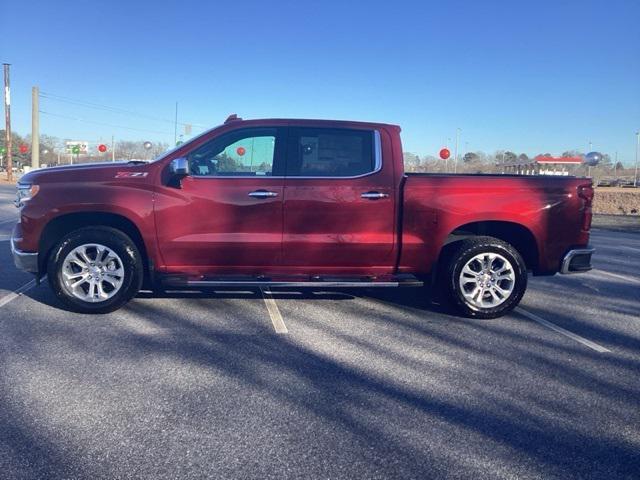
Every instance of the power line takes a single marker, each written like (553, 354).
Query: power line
(78, 119)
(97, 106)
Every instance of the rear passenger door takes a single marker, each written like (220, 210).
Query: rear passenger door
(339, 203)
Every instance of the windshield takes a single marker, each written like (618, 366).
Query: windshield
(171, 150)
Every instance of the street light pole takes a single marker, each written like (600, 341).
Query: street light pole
(455, 160)
(635, 177)
(175, 126)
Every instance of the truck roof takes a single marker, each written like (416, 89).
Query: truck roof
(233, 118)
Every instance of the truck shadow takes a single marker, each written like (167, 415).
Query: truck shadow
(387, 403)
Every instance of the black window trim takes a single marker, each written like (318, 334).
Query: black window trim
(281, 162)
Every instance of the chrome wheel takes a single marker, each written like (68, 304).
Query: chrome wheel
(487, 280)
(92, 273)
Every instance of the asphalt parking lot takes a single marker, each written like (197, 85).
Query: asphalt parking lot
(324, 384)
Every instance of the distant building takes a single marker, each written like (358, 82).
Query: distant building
(541, 165)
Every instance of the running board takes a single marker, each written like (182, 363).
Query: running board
(181, 282)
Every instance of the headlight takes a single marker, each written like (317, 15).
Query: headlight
(26, 192)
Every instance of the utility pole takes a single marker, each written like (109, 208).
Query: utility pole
(35, 128)
(175, 127)
(615, 167)
(7, 121)
(455, 159)
(635, 177)
(113, 150)
(446, 162)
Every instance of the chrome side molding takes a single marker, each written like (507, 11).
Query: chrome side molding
(310, 284)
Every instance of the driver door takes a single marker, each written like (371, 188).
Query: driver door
(227, 217)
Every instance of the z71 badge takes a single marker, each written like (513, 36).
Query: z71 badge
(131, 174)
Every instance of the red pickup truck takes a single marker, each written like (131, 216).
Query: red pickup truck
(296, 203)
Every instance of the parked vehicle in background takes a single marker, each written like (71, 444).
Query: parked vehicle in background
(626, 182)
(304, 203)
(607, 182)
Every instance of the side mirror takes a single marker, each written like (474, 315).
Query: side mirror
(179, 168)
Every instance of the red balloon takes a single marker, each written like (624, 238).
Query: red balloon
(102, 148)
(445, 153)
(241, 151)
(23, 148)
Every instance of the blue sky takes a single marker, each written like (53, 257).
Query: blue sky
(533, 77)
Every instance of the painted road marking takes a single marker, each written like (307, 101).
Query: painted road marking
(626, 278)
(15, 294)
(567, 333)
(617, 248)
(624, 247)
(274, 311)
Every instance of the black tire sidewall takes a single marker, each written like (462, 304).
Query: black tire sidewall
(469, 249)
(111, 238)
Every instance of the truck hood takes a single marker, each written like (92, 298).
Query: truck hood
(85, 172)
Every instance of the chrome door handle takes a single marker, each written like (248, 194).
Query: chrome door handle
(263, 194)
(374, 195)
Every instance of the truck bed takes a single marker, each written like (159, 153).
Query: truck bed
(437, 205)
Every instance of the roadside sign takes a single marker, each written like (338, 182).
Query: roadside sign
(82, 147)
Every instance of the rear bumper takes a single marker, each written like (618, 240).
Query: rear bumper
(27, 261)
(577, 261)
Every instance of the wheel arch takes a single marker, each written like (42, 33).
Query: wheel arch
(516, 234)
(61, 225)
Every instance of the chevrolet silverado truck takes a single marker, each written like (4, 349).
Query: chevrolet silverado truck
(296, 203)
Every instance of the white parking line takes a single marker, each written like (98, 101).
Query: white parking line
(15, 294)
(274, 311)
(624, 247)
(626, 278)
(567, 333)
(617, 248)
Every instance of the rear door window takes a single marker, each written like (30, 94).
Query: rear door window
(324, 152)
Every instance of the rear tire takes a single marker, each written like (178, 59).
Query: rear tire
(95, 270)
(484, 277)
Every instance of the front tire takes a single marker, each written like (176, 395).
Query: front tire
(485, 277)
(95, 270)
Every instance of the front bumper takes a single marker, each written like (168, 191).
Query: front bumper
(577, 261)
(27, 261)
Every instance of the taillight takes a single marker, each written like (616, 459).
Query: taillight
(585, 192)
